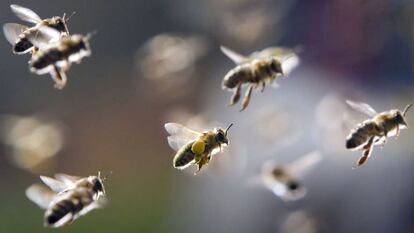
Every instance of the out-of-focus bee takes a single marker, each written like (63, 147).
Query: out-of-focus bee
(56, 58)
(18, 34)
(375, 130)
(193, 147)
(283, 180)
(257, 70)
(68, 198)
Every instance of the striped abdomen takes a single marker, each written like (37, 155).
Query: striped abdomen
(240, 74)
(22, 46)
(71, 203)
(47, 58)
(184, 156)
(361, 134)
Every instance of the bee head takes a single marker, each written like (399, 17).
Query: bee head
(97, 185)
(399, 116)
(399, 119)
(59, 24)
(276, 66)
(221, 135)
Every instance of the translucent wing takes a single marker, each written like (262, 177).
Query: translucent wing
(301, 165)
(180, 135)
(12, 31)
(175, 129)
(176, 142)
(40, 195)
(278, 52)
(289, 63)
(234, 56)
(25, 14)
(43, 37)
(67, 179)
(56, 185)
(362, 108)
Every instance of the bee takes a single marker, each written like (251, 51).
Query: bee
(18, 34)
(257, 70)
(283, 180)
(193, 147)
(68, 198)
(56, 58)
(375, 130)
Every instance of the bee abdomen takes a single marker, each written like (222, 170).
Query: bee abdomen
(46, 59)
(236, 76)
(61, 209)
(22, 46)
(184, 156)
(360, 135)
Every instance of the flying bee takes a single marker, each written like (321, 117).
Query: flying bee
(257, 70)
(193, 147)
(283, 180)
(56, 58)
(68, 198)
(18, 34)
(375, 130)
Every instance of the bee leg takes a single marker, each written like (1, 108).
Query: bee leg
(246, 98)
(263, 86)
(59, 77)
(236, 95)
(398, 132)
(367, 149)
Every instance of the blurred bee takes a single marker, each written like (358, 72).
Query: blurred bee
(193, 147)
(18, 34)
(257, 70)
(283, 180)
(375, 130)
(68, 198)
(56, 58)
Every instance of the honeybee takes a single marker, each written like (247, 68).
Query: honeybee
(193, 147)
(56, 58)
(68, 198)
(257, 70)
(375, 130)
(18, 34)
(283, 180)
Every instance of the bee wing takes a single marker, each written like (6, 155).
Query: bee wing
(234, 56)
(43, 37)
(303, 164)
(67, 179)
(25, 14)
(40, 195)
(362, 108)
(180, 135)
(176, 142)
(12, 31)
(56, 185)
(289, 62)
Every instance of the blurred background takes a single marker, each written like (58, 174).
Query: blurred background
(159, 61)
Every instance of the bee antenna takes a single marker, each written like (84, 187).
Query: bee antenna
(406, 108)
(228, 127)
(66, 19)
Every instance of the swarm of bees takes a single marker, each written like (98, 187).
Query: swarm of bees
(53, 49)
(67, 198)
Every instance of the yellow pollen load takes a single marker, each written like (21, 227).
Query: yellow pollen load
(198, 147)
